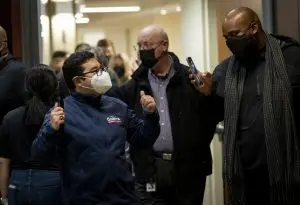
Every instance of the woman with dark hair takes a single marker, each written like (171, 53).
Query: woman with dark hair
(30, 181)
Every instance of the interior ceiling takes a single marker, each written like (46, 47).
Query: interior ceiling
(144, 4)
(148, 7)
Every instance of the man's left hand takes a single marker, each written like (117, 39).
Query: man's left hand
(206, 79)
(147, 102)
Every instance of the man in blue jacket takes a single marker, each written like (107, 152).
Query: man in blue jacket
(91, 131)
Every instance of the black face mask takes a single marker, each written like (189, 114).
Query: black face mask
(120, 70)
(244, 47)
(148, 57)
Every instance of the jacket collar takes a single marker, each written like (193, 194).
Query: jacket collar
(92, 100)
(4, 60)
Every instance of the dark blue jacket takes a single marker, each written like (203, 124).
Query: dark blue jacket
(91, 142)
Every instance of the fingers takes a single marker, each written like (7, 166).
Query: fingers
(58, 119)
(146, 99)
(142, 93)
(206, 78)
(57, 108)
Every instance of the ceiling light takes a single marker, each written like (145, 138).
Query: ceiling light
(78, 15)
(61, 1)
(82, 20)
(163, 12)
(178, 8)
(110, 9)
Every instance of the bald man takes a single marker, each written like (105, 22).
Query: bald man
(12, 78)
(174, 170)
(259, 87)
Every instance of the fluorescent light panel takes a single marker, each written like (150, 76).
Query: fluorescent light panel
(61, 1)
(110, 9)
(82, 20)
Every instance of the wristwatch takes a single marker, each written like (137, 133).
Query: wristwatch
(4, 201)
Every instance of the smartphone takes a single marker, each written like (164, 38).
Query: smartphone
(193, 69)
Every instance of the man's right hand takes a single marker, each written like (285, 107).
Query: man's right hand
(57, 117)
(206, 86)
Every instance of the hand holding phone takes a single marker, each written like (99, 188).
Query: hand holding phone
(194, 70)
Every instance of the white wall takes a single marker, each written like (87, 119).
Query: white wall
(124, 34)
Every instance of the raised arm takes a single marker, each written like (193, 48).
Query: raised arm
(142, 133)
(48, 135)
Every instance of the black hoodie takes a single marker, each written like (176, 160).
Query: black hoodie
(12, 90)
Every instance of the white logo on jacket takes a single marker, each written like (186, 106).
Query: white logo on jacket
(113, 120)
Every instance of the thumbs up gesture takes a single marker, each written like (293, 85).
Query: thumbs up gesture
(57, 117)
(147, 102)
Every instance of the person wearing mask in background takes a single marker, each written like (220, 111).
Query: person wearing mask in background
(12, 78)
(92, 131)
(120, 64)
(174, 170)
(257, 92)
(57, 61)
(30, 181)
(101, 57)
(107, 47)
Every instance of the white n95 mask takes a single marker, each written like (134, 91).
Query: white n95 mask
(101, 82)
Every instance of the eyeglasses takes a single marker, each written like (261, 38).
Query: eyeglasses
(97, 71)
(146, 45)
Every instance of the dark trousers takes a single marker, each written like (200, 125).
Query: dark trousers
(257, 188)
(34, 187)
(167, 191)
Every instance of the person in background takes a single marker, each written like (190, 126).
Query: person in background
(30, 181)
(93, 129)
(174, 170)
(120, 64)
(101, 57)
(57, 60)
(107, 47)
(12, 92)
(257, 93)
(82, 47)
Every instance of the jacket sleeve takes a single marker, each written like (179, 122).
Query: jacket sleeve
(142, 133)
(216, 99)
(45, 142)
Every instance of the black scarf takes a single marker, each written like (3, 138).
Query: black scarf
(283, 156)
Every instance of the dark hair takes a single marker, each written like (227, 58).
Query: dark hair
(95, 50)
(82, 47)
(42, 87)
(59, 54)
(99, 55)
(105, 43)
(72, 66)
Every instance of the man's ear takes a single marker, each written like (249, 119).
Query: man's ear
(255, 29)
(77, 81)
(166, 45)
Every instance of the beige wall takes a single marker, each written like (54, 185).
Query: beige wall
(124, 34)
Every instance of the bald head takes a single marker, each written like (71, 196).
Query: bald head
(3, 36)
(156, 31)
(240, 20)
(3, 42)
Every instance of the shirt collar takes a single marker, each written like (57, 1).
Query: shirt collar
(168, 76)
